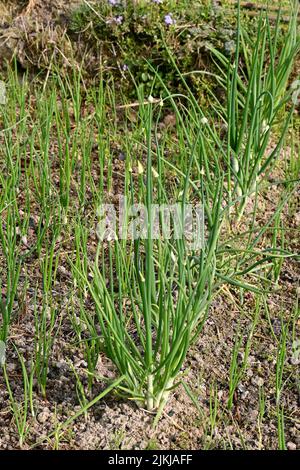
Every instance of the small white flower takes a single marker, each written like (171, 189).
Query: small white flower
(151, 99)
(265, 127)
(154, 172)
(140, 168)
(173, 257)
(204, 121)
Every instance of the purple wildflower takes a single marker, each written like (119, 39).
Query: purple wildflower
(119, 19)
(157, 1)
(125, 67)
(169, 20)
(113, 2)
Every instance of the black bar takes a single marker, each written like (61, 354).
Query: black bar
(150, 459)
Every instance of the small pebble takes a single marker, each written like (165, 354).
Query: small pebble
(43, 416)
(291, 446)
(257, 381)
(10, 367)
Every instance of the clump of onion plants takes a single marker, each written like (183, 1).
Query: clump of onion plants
(258, 106)
(260, 102)
(152, 294)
